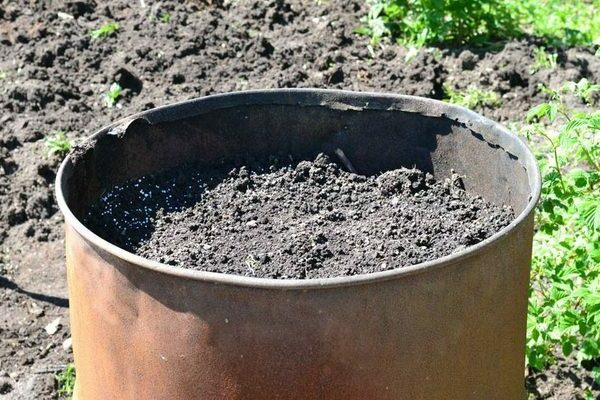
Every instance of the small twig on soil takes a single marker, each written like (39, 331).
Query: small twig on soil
(340, 153)
(64, 15)
(50, 369)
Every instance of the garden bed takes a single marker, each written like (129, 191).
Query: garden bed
(54, 77)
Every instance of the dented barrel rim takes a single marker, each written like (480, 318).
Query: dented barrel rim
(331, 98)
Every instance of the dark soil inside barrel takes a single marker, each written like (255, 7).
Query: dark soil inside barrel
(286, 220)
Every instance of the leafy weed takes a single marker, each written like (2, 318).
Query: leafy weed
(58, 144)
(564, 301)
(473, 97)
(425, 22)
(543, 60)
(164, 17)
(66, 381)
(481, 23)
(113, 94)
(105, 30)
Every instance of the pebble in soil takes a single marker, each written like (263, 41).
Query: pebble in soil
(310, 219)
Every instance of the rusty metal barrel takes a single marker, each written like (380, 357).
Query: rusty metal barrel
(452, 328)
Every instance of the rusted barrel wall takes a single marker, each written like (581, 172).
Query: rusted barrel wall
(453, 328)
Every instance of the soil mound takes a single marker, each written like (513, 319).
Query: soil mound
(310, 219)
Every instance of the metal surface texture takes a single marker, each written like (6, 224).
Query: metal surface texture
(453, 328)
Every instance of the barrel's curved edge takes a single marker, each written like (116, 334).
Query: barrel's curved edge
(327, 98)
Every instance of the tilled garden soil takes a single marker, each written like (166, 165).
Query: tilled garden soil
(308, 220)
(53, 76)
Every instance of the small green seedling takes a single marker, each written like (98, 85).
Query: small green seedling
(472, 97)
(543, 60)
(584, 89)
(58, 144)
(105, 30)
(165, 17)
(66, 381)
(113, 94)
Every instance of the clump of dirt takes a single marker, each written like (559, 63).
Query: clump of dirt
(310, 219)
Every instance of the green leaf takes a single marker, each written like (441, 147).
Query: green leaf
(566, 140)
(363, 30)
(538, 112)
(595, 255)
(575, 123)
(376, 9)
(596, 370)
(377, 27)
(593, 122)
(58, 144)
(590, 212)
(567, 348)
(113, 94)
(579, 177)
(105, 30)
(66, 381)
(552, 111)
(590, 349)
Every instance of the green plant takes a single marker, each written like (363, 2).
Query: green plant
(105, 30)
(58, 144)
(113, 94)
(165, 17)
(66, 381)
(543, 60)
(564, 301)
(584, 89)
(433, 22)
(471, 98)
(562, 22)
(422, 22)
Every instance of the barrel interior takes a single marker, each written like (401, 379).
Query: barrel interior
(373, 140)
